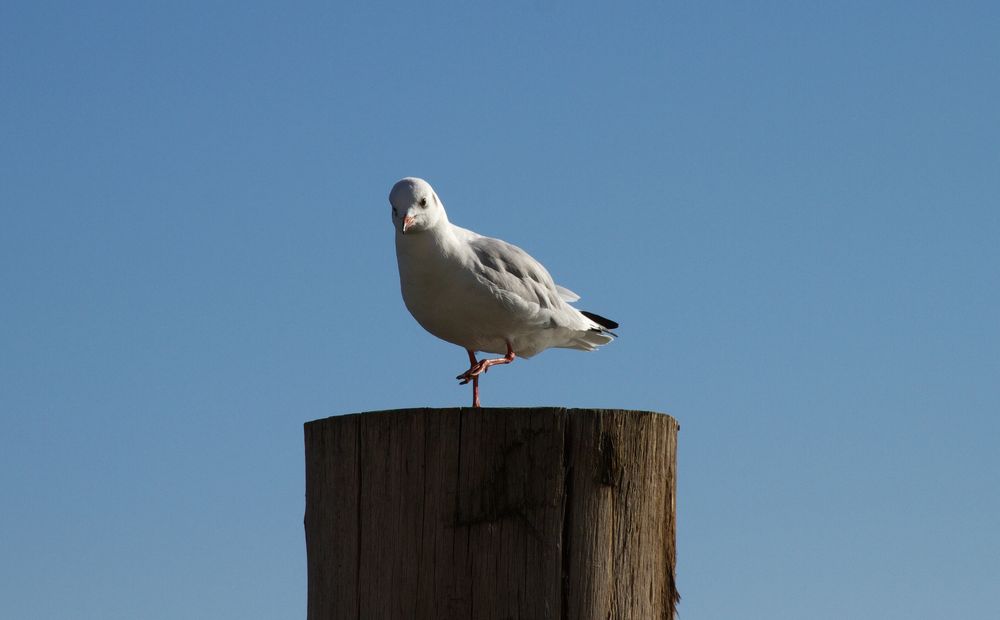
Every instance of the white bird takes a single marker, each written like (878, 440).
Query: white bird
(480, 293)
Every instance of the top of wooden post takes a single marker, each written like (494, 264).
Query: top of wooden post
(495, 410)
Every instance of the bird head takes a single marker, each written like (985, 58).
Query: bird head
(415, 206)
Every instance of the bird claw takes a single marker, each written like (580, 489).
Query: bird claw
(477, 369)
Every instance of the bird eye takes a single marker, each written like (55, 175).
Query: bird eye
(394, 212)
(423, 202)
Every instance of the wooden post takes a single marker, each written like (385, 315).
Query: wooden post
(491, 513)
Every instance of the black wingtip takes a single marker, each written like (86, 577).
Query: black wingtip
(600, 320)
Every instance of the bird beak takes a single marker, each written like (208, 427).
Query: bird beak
(407, 223)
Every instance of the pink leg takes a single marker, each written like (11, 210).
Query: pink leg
(475, 380)
(476, 368)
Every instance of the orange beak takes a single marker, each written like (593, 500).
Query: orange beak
(407, 223)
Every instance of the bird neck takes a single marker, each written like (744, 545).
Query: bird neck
(438, 239)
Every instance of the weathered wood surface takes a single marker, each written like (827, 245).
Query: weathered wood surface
(491, 513)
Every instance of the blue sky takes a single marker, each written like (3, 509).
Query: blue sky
(791, 209)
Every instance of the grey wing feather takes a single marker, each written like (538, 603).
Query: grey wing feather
(511, 270)
(566, 294)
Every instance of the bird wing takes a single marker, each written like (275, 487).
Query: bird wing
(566, 294)
(514, 276)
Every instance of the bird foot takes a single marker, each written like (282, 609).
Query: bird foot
(477, 369)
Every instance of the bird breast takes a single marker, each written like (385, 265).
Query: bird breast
(447, 300)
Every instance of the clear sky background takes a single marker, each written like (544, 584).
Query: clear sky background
(790, 207)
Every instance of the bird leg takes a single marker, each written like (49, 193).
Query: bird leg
(475, 379)
(476, 368)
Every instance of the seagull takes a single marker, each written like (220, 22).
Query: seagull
(479, 293)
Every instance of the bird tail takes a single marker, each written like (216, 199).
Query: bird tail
(606, 324)
(598, 334)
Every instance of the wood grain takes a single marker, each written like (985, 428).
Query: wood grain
(491, 513)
